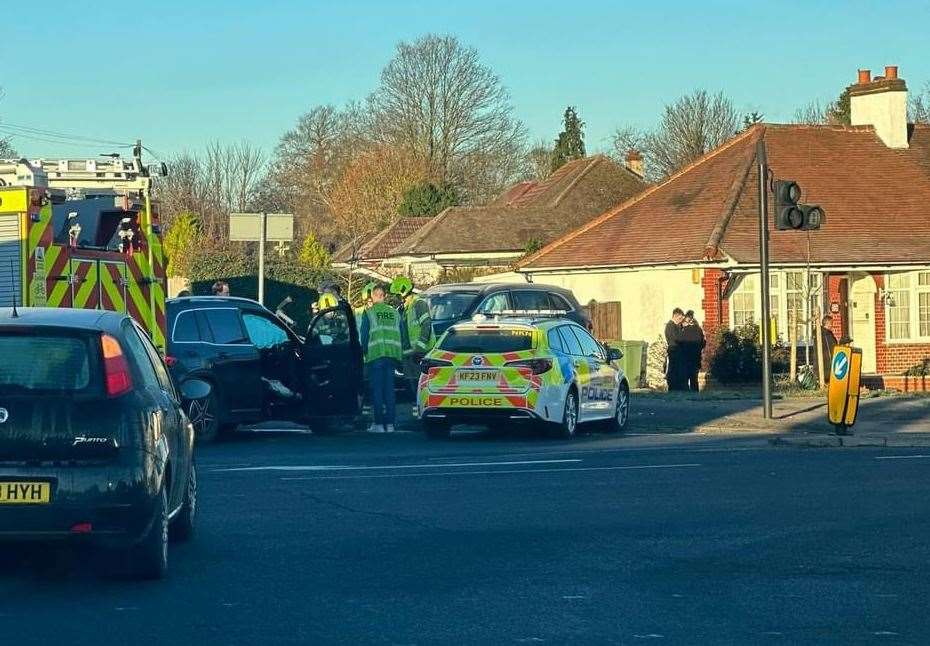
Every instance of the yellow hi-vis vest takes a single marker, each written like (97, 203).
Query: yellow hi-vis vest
(383, 333)
(415, 325)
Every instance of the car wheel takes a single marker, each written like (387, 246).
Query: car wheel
(203, 417)
(148, 559)
(621, 418)
(436, 430)
(182, 526)
(568, 427)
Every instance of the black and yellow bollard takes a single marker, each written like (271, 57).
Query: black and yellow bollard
(843, 391)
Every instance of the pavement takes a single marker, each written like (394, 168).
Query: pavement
(508, 538)
(893, 421)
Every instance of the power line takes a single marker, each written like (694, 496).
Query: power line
(12, 134)
(61, 135)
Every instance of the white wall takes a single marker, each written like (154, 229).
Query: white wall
(886, 111)
(647, 296)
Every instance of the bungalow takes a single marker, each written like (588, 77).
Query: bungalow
(692, 241)
(366, 255)
(525, 217)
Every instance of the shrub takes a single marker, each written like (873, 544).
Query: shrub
(922, 369)
(738, 356)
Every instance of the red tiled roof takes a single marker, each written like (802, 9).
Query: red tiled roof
(382, 244)
(540, 211)
(876, 199)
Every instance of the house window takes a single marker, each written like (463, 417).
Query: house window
(744, 302)
(789, 301)
(907, 303)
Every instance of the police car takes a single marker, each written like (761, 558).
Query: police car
(549, 370)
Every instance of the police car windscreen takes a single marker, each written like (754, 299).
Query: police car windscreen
(446, 306)
(487, 341)
(45, 363)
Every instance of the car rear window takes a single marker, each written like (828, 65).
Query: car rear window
(46, 362)
(444, 306)
(487, 341)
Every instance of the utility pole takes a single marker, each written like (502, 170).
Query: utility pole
(764, 271)
(261, 257)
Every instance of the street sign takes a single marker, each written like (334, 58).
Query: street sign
(261, 228)
(247, 227)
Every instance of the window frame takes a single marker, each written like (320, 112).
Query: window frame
(914, 291)
(779, 294)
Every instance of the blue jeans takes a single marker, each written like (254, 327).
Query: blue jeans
(381, 378)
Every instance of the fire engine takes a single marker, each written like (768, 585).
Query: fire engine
(83, 233)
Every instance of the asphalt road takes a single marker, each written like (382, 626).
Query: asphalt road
(362, 539)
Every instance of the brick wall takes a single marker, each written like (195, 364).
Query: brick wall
(716, 309)
(893, 358)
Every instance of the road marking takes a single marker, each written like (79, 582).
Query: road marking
(901, 457)
(313, 467)
(496, 471)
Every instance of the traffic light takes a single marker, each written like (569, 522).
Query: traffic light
(789, 214)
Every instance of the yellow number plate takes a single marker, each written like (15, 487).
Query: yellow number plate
(25, 493)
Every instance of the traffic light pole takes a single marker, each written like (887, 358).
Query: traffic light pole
(764, 275)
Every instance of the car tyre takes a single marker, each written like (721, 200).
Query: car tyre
(436, 430)
(182, 526)
(148, 559)
(203, 416)
(621, 419)
(568, 427)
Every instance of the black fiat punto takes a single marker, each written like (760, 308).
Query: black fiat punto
(94, 443)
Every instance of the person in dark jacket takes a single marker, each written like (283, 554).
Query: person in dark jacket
(691, 339)
(827, 345)
(674, 373)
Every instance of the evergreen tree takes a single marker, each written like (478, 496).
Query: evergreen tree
(179, 244)
(313, 254)
(570, 144)
(839, 112)
(427, 200)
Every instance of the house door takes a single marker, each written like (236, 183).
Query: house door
(862, 290)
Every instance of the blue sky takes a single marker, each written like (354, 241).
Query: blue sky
(180, 74)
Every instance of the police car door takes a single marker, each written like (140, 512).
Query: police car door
(597, 399)
(580, 366)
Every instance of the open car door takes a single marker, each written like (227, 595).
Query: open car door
(333, 363)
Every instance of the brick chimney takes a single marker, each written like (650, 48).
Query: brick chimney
(634, 163)
(881, 102)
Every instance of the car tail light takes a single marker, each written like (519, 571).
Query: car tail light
(537, 366)
(115, 367)
(426, 364)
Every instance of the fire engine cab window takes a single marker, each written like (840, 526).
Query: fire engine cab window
(264, 333)
(487, 341)
(185, 328)
(531, 300)
(225, 326)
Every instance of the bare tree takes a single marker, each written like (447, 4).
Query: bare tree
(224, 179)
(812, 113)
(7, 151)
(538, 161)
(437, 98)
(690, 127)
(918, 108)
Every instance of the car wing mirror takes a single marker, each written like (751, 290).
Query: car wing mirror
(614, 354)
(194, 389)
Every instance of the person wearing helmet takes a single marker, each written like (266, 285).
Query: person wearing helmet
(419, 337)
(381, 343)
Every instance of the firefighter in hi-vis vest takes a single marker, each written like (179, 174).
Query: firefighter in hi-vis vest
(381, 342)
(418, 337)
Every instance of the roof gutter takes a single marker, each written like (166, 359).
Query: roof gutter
(627, 268)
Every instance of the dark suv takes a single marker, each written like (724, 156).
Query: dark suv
(258, 367)
(452, 303)
(94, 444)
